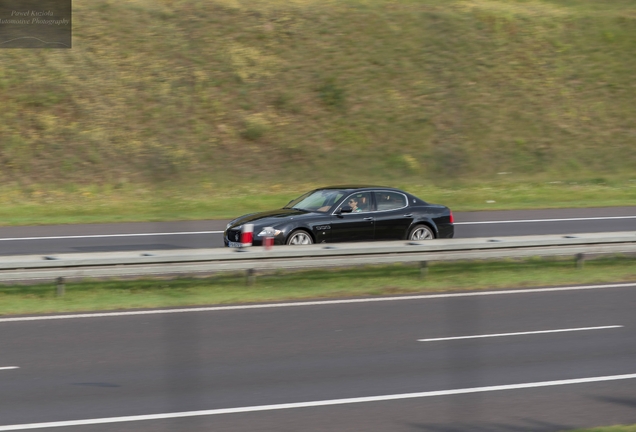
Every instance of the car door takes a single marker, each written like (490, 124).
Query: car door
(392, 215)
(355, 226)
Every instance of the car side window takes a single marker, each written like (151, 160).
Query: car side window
(388, 200)
(360, 202)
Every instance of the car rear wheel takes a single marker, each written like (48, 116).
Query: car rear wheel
(421, 232)
(300, 238)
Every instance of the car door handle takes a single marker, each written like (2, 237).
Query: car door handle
(408, 215)
(368, 218)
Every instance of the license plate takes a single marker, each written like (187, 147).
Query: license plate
(235, 244)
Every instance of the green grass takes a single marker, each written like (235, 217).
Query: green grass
(314, 284)
(432, 94)
(42, 204)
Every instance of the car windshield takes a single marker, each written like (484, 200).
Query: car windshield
(316, 201)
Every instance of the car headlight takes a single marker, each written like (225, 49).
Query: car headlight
(269, 232)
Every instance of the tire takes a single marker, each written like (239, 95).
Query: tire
(421, 232)
(299, 237)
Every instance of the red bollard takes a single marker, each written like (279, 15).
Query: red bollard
(247, 235)
(268, 242)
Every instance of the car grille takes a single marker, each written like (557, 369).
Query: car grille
(234, 235)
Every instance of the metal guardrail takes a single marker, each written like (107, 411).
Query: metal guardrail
(33, 268)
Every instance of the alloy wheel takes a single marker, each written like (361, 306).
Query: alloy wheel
(422, 233)
(300, 238)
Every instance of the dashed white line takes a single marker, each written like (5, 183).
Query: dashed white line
(519, 333)
(317, 303)
(9, 367)
(310, 404)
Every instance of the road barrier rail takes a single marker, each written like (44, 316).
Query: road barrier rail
(33, 268)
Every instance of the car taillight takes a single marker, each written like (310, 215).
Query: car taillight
(452, 219)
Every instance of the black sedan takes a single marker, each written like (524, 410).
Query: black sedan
(346, 214)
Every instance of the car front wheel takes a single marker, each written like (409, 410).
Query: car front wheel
(421, 232)
(300, 238)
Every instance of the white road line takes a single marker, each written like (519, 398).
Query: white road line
(221, 232)
(545, 220)
(317, 303)
(109, 235)
(519, 333)
(313, 403)
(9, 367)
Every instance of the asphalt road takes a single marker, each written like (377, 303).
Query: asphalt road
(205, 234)
(104, 367)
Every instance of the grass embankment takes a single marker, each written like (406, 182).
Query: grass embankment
(200, 96)
(101, 204)
(315, 284)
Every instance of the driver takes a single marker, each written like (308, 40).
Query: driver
(353, 202)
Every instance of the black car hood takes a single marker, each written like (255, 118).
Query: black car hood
(271, 217)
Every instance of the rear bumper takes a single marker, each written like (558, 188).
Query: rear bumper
(446, 231)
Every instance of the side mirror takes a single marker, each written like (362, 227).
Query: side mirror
(346, 209)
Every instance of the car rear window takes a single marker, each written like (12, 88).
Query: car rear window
(387, 200)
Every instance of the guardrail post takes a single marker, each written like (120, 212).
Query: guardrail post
(579, 260)
(423, 269)
(251, 277)
(60, 287)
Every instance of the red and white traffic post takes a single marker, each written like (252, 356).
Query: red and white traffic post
(268, 242)
(247, 235)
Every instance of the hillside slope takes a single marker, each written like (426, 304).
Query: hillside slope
(348, 90)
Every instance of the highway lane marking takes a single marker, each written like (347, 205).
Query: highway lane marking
(110, 235)
(320, 403)
(221, 232)
(317, 303)
(519, 333)
(545, 220)
(9, 367)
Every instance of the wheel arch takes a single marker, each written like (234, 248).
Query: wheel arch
(426, 222)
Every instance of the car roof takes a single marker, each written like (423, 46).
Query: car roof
(357, 187)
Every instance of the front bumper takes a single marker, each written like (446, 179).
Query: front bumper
(234, 236)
